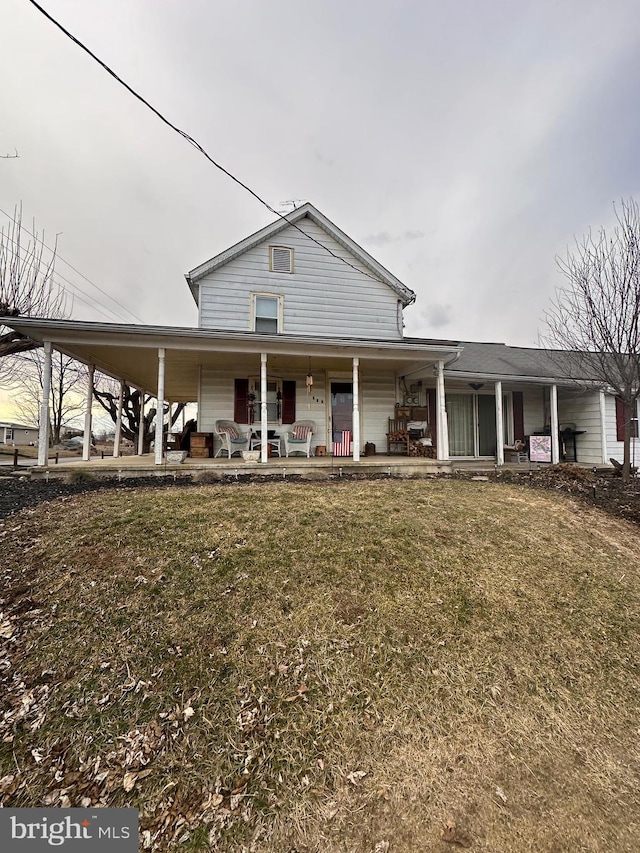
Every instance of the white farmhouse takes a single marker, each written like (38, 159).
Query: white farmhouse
(300, 339)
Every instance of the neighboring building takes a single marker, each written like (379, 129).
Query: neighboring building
(298, 322)
(18, 434)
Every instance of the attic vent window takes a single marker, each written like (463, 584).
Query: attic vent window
(280, 259)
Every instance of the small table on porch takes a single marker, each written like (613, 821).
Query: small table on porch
(274, 443)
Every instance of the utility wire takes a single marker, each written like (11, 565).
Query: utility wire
(191, 140)
(55, 276)
(59, 257)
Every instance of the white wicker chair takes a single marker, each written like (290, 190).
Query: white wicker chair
(298, 438)
(233, 438)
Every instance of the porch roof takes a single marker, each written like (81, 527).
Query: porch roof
(527, 364)
(129, 352)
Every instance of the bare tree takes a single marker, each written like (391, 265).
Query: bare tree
(107, 393)
(596, 315)
(68, 381)
(27, 285)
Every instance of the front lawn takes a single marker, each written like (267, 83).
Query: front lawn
(359, 666)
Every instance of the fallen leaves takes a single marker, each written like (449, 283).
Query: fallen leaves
(356, 777)
(6, 627)
(9, 784)
(302, 689)
(129, 781)
(453, 835)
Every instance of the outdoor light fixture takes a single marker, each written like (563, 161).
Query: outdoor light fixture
(476, 385)
(309, 380)
(251, 410)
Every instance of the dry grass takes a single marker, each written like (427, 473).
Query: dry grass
(331, 667)
(27, 451)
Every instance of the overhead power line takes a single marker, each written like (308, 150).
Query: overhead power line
(190, 139)
(58, 274)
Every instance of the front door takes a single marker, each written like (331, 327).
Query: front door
(341, 418)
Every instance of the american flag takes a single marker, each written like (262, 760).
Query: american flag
(342, 443)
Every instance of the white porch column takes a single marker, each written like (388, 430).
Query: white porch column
(499, 425)
(603, 426)
(442, 431)
(118, 435)
(86, 443)
(264, 411)
(43, 432)
(141, 424)
(160, 408)
(355, 448)
(555, 438)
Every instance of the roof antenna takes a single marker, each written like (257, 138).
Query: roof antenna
(289, 205)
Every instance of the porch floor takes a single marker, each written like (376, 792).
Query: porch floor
(316, 467)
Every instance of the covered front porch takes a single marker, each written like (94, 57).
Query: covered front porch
(263, 382)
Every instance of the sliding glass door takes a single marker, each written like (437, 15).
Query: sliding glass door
(461, 419)
(472, 424)
(487, 440)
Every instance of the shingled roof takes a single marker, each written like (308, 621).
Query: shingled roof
(495, 359)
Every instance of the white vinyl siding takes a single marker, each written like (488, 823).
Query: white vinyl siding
(378, 399)
(533, 405)
(584, 412)
(322, 297)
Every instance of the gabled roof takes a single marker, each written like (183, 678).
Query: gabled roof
(294, 218)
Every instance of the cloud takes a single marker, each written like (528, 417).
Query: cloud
(470, 146)
(383, 238)
(439, 315)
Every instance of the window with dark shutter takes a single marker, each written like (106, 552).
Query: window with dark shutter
(518, 416)
(240, 401)
(619, 419)
(622, 415)
(288, 401)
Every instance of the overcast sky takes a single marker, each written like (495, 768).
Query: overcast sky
(463, 144)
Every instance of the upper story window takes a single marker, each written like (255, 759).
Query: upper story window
(267, 313)
(280, 259)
